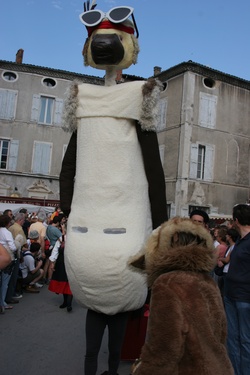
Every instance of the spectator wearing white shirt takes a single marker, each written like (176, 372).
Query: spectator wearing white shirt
(7, 240)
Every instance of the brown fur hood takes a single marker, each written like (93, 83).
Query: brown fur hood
(162, 253)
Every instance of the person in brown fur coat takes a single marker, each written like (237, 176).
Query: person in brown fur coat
(187, 325)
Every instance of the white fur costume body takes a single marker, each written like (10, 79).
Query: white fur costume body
(110, 212)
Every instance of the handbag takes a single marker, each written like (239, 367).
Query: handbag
(219, 270)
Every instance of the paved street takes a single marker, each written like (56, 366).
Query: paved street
(38, 338)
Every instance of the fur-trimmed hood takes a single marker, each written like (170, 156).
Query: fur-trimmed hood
(163, 254)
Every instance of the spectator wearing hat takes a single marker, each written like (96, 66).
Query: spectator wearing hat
(33, 237)
(200, 217)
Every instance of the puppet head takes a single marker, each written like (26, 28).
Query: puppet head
(177, 245)
(111, 42)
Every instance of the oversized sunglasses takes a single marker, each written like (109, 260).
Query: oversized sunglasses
(92, 18)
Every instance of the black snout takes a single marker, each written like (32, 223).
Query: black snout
(107, 49)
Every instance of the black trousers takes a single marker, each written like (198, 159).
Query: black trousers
(95, 326)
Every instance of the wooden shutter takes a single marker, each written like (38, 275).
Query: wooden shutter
(209, 163)
(8, 100)
(13, 155)
(41, 157)
(207, 110)
(58, 111)
(35, 108)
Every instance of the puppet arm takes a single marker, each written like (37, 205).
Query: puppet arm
(67, 175)
(155, 175)
(166, 333)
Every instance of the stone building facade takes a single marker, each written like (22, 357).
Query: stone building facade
(204, 139)
(32, 142)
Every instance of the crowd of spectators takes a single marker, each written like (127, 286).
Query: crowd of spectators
(27, 240)
(25, 248)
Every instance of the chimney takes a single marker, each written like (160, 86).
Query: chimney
(19, 56)
(157, 70)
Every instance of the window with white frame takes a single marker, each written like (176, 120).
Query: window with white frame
(4, 148)
(9, 76)
(202, 162)
(47, 110)
(8, 154)
(207, 110)
(41, 160)
(8, 100)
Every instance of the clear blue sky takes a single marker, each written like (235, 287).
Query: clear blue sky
(213, 33)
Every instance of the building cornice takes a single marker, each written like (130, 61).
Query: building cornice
(190, 66)
(50, 72)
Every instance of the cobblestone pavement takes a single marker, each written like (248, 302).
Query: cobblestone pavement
(38, 338)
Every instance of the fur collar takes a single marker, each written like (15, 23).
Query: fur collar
(160, 256)
(149, 116)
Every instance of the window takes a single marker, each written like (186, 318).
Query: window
(8, 99)
(41, 157)
(201, 162)
(46, 110)
(4, 147)
(49, 82)
(9, 76)
(8, 154)
(169, 210)
(207, 110)
(209, 83)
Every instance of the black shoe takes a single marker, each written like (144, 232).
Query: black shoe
(63, 306)
(11, 301)
(69, 308)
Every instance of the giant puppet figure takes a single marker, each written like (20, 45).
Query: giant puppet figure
(112, 182)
